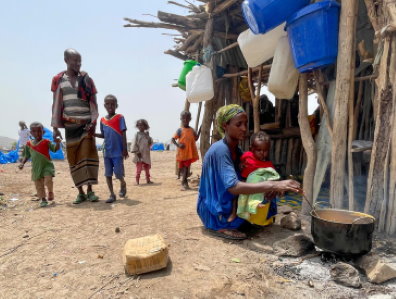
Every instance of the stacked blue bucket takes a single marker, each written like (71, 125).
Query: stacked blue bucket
(312, 29)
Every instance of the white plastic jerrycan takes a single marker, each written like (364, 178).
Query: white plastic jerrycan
(283, 78)
(259, 48)
(199, 84)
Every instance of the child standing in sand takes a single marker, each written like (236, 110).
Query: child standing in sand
(113, 130)
(141, 149)
(42, 167)
(252, 160)
(187, 152)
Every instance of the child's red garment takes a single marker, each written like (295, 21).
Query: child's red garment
(250, 164)
(188, 154)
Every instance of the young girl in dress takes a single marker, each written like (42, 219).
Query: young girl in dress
(141, 148)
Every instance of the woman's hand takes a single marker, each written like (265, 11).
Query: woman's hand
(287, 185)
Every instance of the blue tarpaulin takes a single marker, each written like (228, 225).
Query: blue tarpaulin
(10, 157)
(158, 147)
(57, 155)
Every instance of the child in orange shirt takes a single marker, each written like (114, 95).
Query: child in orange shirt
(187, 152)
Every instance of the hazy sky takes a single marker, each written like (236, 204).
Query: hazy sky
(126, 62)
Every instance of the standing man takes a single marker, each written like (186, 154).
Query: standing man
(75, 109)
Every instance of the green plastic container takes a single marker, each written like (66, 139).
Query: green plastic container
(188, 65)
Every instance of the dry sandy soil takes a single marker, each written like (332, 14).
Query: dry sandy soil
(73, 251)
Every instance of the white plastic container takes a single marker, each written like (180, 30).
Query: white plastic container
(199, 84)
(283, 78)
(259, 48)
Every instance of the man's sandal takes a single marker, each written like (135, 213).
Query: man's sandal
(80, 198)
(92, 197)
(43, 204)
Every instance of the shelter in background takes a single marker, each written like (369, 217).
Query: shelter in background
(355, 142)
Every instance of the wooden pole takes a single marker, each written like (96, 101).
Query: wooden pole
(198, 116)
(187, 105)
(382, 133)
(256, 100)
(307, 141)
(209, 105)
(345, 70)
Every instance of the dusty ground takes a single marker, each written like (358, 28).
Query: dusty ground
(69, 251)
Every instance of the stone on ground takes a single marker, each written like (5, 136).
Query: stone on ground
(296, 245)
(376, 269)
(291, 221)
(346, 275)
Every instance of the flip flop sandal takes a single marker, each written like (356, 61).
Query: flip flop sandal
(43, 204)
(92, 197)
(80, 198)
(227, 236)
(122, 192)
(111, 199)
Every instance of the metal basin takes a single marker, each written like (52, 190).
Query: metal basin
(342, 232)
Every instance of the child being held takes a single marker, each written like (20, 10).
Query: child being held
(43, 169)
(141, 149)
(187, 152)
(113, 130)
(252, 160)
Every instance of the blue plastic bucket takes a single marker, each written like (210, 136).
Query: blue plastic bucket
(264, 15)
(313, 35)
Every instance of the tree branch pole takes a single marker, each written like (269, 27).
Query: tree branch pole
(209, 105)
(319, 88)
(256, 102)
(308, 143)
(344, 83)
(198, 116)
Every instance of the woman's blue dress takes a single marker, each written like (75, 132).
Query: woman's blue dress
(219, 173)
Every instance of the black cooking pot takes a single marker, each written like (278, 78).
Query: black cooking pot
(342, 232)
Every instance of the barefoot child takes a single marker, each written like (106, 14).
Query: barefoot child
(252, 160)
(113, 130)
(187, 152)
(42, 167)
(141, 149)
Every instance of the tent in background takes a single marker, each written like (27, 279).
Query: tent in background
(158, 146)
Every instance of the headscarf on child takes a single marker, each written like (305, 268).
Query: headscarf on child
(225, 114)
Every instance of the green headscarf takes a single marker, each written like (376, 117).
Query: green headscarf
(225, 114)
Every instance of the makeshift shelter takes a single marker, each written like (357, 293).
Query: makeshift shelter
(355, 142)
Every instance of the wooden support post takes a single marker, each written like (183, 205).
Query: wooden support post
(209, 105)
(187, 105)
(255, 94)
(307, 141)
(345, 71)
(384, 102)
(198, 116)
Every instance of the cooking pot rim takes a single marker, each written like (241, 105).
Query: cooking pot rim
(342, 210)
